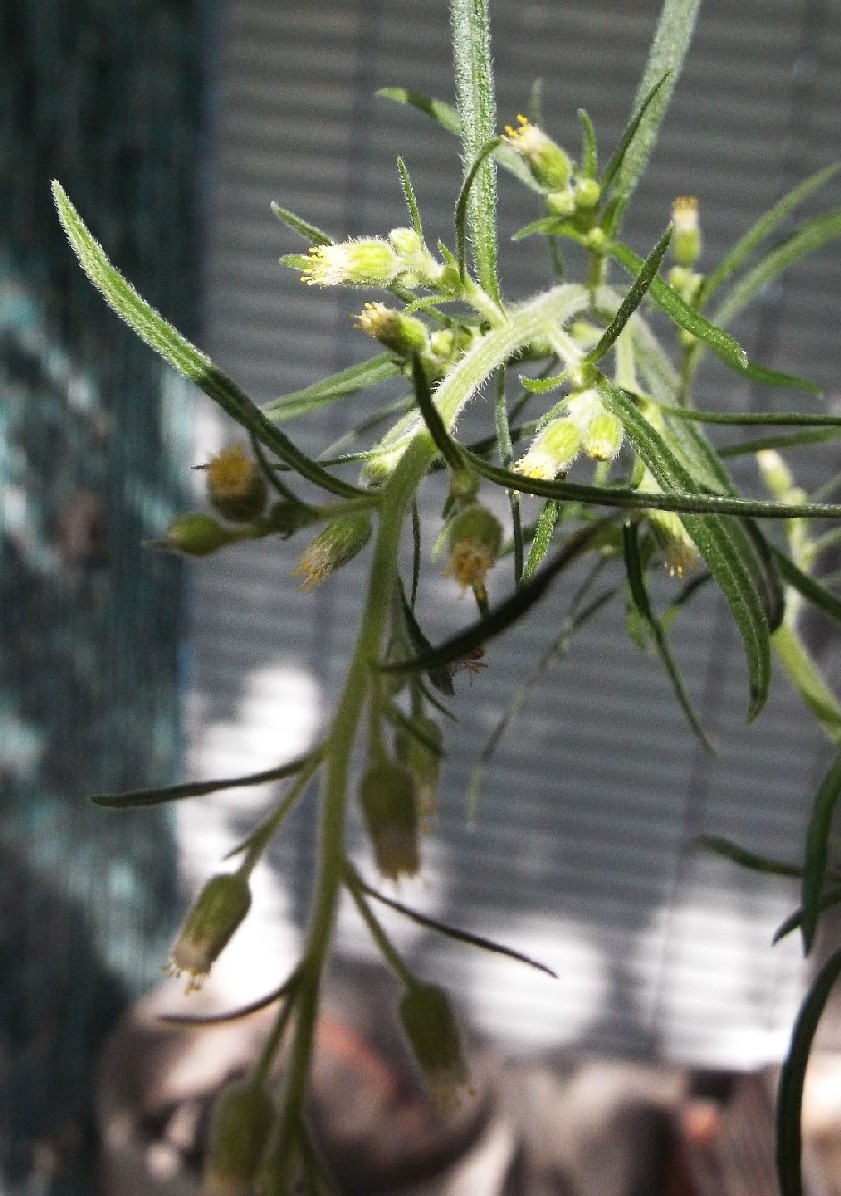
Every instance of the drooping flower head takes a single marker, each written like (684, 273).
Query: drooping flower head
(549, 164)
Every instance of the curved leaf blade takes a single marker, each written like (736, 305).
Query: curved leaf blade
(817, 851)
(337, 386)
(155, 797)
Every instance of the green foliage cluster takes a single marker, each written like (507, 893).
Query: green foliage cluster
(590, 412)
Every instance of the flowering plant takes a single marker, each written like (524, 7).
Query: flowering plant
(591, 413)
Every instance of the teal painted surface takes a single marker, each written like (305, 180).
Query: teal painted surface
(93, 446)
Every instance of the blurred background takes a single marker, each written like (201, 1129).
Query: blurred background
(173, 124)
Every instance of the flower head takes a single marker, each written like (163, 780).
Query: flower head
(216, 914)
(430, 1026)
(549, 164)
(235, 486)
(474, 537)
(402, 334)
(369, 261)
(552, 451)
(677, 546)
(240, 1126)
(333, 547)
(387, 797)
(686, 245)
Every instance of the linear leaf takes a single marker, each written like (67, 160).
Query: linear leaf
(721, 546)
(781, 440)
(817, 850)
(750, 419)
(633, 299)
(677, 500)
(793, 1074)
(160, 335)
(830, 898)
(665, 58)
(337, 386)
(441, 112)
(808, 586)
(618, 156)
(155, 797)
(763, 228)
(721, 342)
(464, 199)
(310, 232)
(748, 859)
(809, 239)
(452, 932)
(640, 599)
(447, 447)
(589, 147)
(502, 616)
(409, 196)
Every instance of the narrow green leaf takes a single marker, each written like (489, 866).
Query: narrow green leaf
(748, 419)
(502, 616)
(766, 377)
(310, 232)
(446, 446)
(640, 599)
(542, 386)
(721, 342)
(441, 112)
(470, 27)
(234, 1015)
(817, 850)
(760, 231)
(542, 539)
(589, 147)
(633, 299)
(808, 586)
(409, 196)
(830, 898)
(463, 202)
(439, 676)
(152, 328)
(677, 500)
(452, 932)
(748, 859)
(337, 386)
(721, 546)
(155, 797)
(665, 60)
(809, 239)
(618, 156)
(781, 441)
(793, 1075)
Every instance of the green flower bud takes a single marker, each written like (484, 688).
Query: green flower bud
(333, 547)
(552, 451)
(287, 516)
(686, 242)
(195, 535)
(402, 334)
(548, 163)
(217, 912)
(387, 797)
(431, 1028)
(422, 755)
(242, 1119)
(603, 438)
(369, 261)
(674, 541)
(587, 193)
(474, 537)
(561, 203)
(235, 486)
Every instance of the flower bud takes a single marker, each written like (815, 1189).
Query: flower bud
(333, 547)
(587, 193)
(387, 797)
(431, 1028)
(195, 535)
(242, 1119)
(674, 541)
(402, 334)
(603, 438)
(422, 754)
(369, 261)
(288, 516)
(474, 537)
(552, 451)
(235, 486)
(218, 911)
(686, 242)
(561, 203)
(549, 164)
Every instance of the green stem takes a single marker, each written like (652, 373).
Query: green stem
(477, 109)
(396, 497)
(807, 679)
(389, 952)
